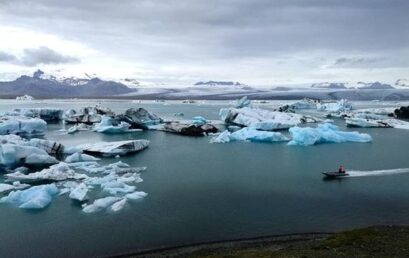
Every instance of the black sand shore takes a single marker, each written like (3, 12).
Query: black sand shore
(376, 241)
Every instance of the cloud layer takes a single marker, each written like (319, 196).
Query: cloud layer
(260, 41)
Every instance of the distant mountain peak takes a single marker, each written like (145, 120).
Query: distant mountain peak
(402, 82)
(374, 86)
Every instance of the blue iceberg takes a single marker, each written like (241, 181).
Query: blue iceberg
(36, 197)
(199, 120)
(249, 134)
(324, 133)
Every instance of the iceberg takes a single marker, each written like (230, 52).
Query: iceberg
(243, 102)
(58, 172)
(24, 98)
(139, 118)
(101, 204)
(5, 188)
(261, 119)
(79, 193)
(324, 133)
(198, 129)
(77, 128)
(339, 106)
(35, 197)
(119, 205)
(22, 125)
(110, 125)
(362, 122)
(80, 157)
(116, 148)
(47, 114)
(136, 195)
(12, 155)
(87, 115)
(249, 134)
(199, 120)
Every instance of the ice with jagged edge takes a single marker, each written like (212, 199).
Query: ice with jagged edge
(22, 125)
(249, 134)
(108, 125)
(261, 119)
(339, 106)
(35, 197)
(325, 133)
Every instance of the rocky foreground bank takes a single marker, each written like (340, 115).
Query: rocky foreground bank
(376, 241)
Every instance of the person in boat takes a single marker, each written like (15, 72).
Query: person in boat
(341, 169)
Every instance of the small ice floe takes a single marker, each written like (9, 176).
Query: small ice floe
(35, 197)
(339, 106)
(101, 204)
(200, 129)
(22, 125)
(179, 114)
(79, 193)
(115, 148)
(262, 119)
(80, 157)
(58, 172)
(110, 125)
(77, 128)
(243, 102)
(24, 98)
(325, 133)
(249, 134)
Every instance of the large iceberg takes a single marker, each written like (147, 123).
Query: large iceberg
(249, 134)
(115, 148)
(87, 115)
(339, 106)
(261, 119)
(325, 133)
(12, 155)
(22, 125)
(36, 197)
(139, 118)
(194, 129)
(110, 125)
(47, 114)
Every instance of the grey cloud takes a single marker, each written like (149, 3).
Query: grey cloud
(44, 55)
(370, 62)
(6, 57)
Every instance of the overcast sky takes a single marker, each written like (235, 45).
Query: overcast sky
(179, 42)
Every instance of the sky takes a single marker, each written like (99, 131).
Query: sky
(179, 42)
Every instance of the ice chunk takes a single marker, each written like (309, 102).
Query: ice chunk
(362, 122)
(51, 147)
(116, 148)
(136, 195)
(199, 120)
(101, 204)
(304, 104)
(139, 118)
(115, 187)
(189, 129)
(325, 133)
(119, 205)
(58, 172)
(110, 125)
(243, 102)
(47, 114)
(25, 98)
(12, 155)
(261, 119)
(22, 125)
(339, 106)
(79, 157)
(249, 134)
(5, 188)
(79, 193)
(36, 197)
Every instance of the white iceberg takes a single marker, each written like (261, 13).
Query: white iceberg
(24, 98)
(110, 125)
(47, 114)
(80, 157)
(79, 193)
(101, 204)
(136, 195)
(249, 134)
(22, 125)
(12, 155)
(339, 106)
(362, 122)
(261, 119)
(119, 205)
(58, 172)
(36, 197)
(243, 102)
(115, 148)
(325, 133)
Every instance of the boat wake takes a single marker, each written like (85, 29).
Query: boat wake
(386, 172)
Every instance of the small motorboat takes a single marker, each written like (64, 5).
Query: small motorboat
(335, 174)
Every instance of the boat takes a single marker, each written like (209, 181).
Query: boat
(335, 174)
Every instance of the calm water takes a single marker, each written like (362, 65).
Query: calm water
(200, 191)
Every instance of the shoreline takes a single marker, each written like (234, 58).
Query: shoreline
(318, 244)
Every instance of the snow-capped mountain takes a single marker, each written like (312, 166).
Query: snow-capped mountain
(374, 86)
(71, 81)
(402, 83)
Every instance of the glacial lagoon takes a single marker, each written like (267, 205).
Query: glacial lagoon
(198, 191)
